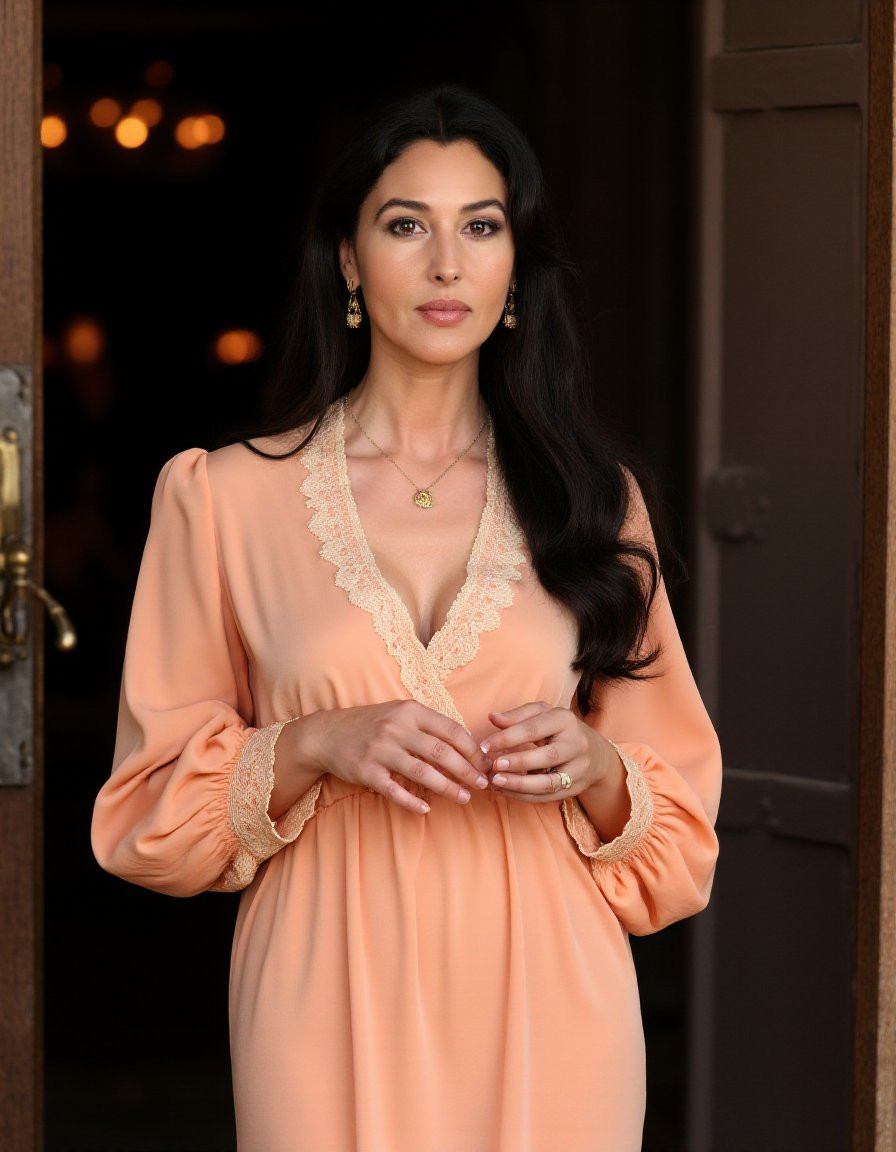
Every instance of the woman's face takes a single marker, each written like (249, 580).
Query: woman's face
(433, 253)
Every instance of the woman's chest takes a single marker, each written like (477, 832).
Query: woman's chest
(317, 615)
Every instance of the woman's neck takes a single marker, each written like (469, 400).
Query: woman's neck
(426, 416)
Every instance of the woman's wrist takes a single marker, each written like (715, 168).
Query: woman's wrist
(297, 761)
(606, 800)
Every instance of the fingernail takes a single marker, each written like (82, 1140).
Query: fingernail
(482, 782)
(503, 762)
(463, 795)
(499, 780)
(485, 747)
(424, 807)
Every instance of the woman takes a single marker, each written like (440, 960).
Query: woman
(402, 671)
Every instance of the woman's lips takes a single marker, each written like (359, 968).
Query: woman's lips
(444, 312)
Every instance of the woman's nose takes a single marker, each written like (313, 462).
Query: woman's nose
(446, 264)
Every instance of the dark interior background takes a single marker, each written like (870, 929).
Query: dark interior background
(162, 249)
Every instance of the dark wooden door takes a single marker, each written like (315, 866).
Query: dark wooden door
(781, 230)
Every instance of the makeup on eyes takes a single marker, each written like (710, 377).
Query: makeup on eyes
(493, 226)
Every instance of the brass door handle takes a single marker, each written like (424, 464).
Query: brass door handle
(16, 583)
(15, 568)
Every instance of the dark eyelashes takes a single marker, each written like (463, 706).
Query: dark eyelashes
(482, 227)
(396, 226)
(492, 225)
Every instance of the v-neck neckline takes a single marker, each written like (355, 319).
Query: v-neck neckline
(370, 559)
(495, 565)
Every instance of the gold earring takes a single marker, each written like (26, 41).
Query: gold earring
(510, 307)
(353, 315)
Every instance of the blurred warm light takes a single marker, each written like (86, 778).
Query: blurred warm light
(238, 346)
(194, 131)
(189, 133)
(84, 340)
(52, 131)
(214, 126)
(131, 132)
(104, 112)
(149, 111)
(158, 74)
(52, 75)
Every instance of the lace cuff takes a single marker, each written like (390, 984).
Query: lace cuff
(583, 831)
(251, 785)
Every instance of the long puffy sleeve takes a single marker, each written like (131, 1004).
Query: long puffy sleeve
(184, 809)
(660, 868)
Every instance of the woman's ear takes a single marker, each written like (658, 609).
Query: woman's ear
(347, 262)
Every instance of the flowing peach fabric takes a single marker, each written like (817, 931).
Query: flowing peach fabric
(459, 982)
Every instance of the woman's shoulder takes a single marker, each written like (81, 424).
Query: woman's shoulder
(263, 452)
(239, 463)
(257, 452)
(230, 464)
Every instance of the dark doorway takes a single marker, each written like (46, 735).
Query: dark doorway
(155, 252)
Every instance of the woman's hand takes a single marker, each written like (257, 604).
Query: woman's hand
(378, 746)
(542, 753)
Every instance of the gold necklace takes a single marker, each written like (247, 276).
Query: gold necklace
(422, 496)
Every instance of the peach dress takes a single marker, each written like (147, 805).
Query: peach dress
(455, 982)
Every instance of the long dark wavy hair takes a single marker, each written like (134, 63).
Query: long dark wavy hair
(568, 481)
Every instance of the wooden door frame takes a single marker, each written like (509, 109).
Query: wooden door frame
(874, 1087)
(21, 1016)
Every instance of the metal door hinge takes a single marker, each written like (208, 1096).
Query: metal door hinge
(737, 503)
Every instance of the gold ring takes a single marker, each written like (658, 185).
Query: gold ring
(565, 779)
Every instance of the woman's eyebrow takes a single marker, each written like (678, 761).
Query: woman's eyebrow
(419, 206)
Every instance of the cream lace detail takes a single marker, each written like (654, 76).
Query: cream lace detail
(251, 785)
(493, 565)
(583, 832)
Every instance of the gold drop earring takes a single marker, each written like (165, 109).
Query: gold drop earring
(510, 307)
(353, 315)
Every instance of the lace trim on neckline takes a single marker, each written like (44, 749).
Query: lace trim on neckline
(493, 566)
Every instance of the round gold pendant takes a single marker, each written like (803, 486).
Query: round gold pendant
(423, 499)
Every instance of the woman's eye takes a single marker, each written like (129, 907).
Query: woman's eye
(403, 227)
(484, 227)
(408, 226)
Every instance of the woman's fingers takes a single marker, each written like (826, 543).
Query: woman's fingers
(428, 749)
(537, 786)
(435, 764)
(449, 746)
(538, 753)
(533, 727)
(545, 758)
(516, 715)
(393, 790)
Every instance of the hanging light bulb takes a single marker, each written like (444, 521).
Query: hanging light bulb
(195, 131)
(84, 340)
(148, 110)
(213, 128)
(187, 135)
(104, 112)
(238, 346)
(130, 132)
(53, 131)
